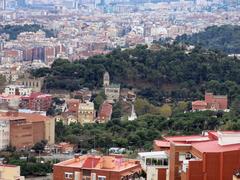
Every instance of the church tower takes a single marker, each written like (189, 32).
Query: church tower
(106, 79)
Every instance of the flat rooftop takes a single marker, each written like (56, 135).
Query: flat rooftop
(186, 138)
(213, 146)
(104, 163)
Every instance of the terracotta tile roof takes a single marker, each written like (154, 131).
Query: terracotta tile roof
(30, 117)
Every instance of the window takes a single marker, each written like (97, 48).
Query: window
(101, 177)
(86, 178)
(68, 175)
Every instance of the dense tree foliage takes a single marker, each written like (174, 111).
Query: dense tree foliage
(14, 30)
(139, 134)
(225, 38)
(29, 164)
(159, 75)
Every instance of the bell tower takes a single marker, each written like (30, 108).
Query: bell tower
(106, 79)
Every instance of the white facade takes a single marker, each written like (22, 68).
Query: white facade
(17, 90)
(4, 134)
(228, 138)
(11, 100)
(151, 161)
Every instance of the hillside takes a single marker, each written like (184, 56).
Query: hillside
(224, 38)
(186, 75)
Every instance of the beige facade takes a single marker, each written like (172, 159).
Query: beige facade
(112, 92)
(35, 84)
(86, 112)
(4, 134)
(10, 172)
(50, 131)
(236, 178)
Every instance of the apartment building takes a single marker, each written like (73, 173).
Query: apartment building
(10, 172)
(211, 156)
(36, 101)
(17, 90)
(98, 168)
(23, 130)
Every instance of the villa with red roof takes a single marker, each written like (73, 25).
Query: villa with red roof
(210, 156)
(105, 112)
(112, 167)
(211, 102)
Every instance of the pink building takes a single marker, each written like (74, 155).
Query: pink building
(211, 102)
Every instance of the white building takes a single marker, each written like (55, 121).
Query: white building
(4, 133)
(151, 161)
(10, 100)
(17, 90)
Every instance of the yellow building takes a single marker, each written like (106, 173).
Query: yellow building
(10, 172)
(86, 113)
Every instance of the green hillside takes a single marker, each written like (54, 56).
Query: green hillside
(224, 38)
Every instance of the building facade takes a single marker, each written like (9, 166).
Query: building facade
(112, 92)
(4, 133)
(97, 167)
(35, 84)
(26, 129)
(36, 101)
(17, 90)
(105, 112)
(86, 113)
(211, 156)
(211, 102)
(10, 172)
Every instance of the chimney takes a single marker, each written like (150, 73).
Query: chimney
(77, 157)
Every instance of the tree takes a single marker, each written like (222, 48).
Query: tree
(39, 146)
(117, 111)
(99, 99)
(165, 110)
(2, 80)
(235, 107)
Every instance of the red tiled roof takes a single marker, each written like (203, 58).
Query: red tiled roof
(33, 117)
(30, 117)
(105, 110)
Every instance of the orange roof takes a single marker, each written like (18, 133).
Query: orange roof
(114, 163)
(30, 117)
(33, 117)
(10, 118)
